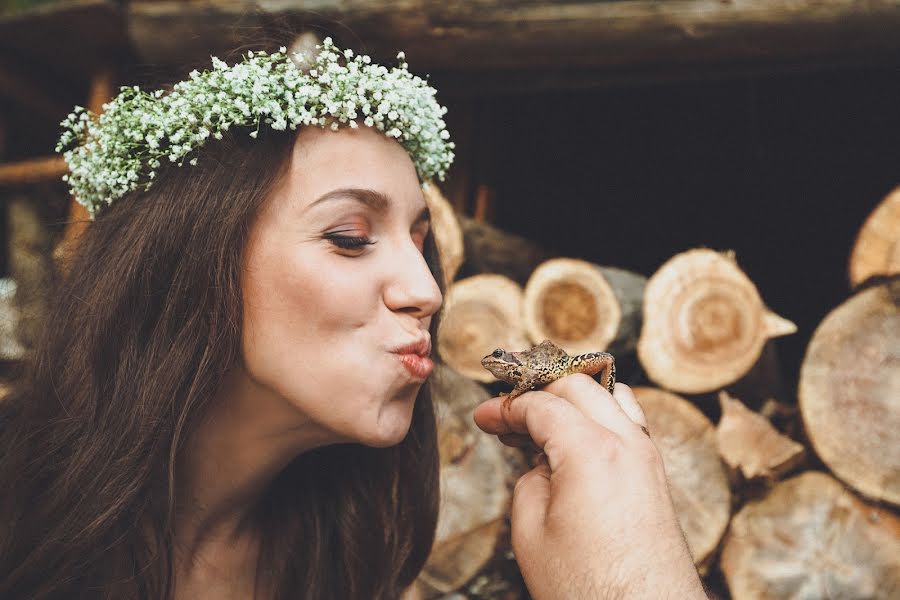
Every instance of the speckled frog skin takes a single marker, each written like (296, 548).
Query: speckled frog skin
(544, 363)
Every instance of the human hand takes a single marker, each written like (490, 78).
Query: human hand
(594, 519)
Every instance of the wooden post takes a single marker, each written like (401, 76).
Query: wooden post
(484, 204)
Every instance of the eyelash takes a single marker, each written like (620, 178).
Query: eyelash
(349, 242)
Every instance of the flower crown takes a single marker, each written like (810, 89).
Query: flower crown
(121, 150)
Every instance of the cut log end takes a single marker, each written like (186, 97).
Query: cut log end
(749, 444)
(876, 251)
(812, 538)
(474, 486)
(705, 324)
(448, 236)
(481, 313)
(848, 392)
(570, 302)
(698, 482)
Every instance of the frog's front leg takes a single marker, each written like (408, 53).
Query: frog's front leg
(525, 384)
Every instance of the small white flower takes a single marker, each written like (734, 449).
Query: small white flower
(119, 151)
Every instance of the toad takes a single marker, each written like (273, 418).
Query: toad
(544, 363)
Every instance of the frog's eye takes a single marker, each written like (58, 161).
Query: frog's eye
(498, 353)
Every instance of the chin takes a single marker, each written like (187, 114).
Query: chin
(391, 426)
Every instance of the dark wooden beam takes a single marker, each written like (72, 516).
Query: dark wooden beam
(497, 35)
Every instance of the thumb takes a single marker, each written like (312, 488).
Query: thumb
(531, 497)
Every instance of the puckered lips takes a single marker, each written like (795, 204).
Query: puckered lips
(415, 356)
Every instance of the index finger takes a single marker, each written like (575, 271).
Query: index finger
(545, 417)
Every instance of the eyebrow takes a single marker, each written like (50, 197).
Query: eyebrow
(371, 198)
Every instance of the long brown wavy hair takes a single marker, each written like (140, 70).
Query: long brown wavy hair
(137, 339)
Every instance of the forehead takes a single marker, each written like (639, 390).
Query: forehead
(323, 160)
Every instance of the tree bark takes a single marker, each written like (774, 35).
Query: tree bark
(812, 538)
(705, 325)
(848, 392)
(492, 250)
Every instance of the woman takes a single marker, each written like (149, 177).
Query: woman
(230, 399)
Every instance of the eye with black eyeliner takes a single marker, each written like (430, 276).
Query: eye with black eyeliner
(349, 242)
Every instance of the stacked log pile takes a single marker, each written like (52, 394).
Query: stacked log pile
(779, 497)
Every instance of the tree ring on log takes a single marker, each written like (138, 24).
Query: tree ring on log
(570, 302)
(481, 313)
(705, 324)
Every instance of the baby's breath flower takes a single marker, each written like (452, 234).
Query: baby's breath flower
(120, 150)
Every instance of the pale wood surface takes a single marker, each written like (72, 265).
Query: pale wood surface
(476, 482)
(812, 538)
(686, 439)
(481, 313)
(583, 307)
(705, 324)
(447, 231)
(749, 444)
(876, 251)
(849, 391)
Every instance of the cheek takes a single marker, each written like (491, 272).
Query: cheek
(299, 316)
(310, 335)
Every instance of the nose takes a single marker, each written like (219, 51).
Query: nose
(411, 287)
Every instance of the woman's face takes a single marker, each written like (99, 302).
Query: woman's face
(337, 295)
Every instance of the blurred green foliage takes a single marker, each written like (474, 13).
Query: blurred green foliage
(14, 6)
